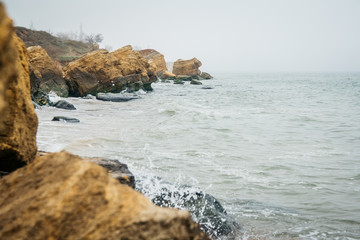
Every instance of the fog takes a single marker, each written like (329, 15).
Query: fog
(227, 36)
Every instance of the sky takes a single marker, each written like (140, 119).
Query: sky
(226, 35)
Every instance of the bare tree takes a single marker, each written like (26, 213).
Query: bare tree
(92, 38)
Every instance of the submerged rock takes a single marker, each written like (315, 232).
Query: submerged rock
(204, 208)
(207, 87)
(115, 97)
(18, 120)
(178, 81)
(64, 105)
(59, 196)
(65, 119)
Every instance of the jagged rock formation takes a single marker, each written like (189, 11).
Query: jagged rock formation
(155, 58)
(61, 50)
(18, 121)
(45, 73)
(59, 196)
(187, 67)
(101, 71)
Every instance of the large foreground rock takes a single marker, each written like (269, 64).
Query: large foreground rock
(187, 67)
(45, 73)
(59, 196)
(155, 58)
(18, 121)
(101, 71)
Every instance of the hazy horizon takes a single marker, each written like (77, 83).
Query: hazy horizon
(226, 36)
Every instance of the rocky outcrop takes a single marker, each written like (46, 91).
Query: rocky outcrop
(18, 121)
(59, 196)
(155, 58)
(101, 71)
(205, 75)
(45, 73)
(187, 67)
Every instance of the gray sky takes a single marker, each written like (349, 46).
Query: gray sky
(226, 35)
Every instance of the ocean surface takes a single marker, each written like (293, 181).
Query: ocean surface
(281, 152)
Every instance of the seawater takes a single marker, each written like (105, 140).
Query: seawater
(280, 151)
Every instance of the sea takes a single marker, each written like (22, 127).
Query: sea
(279, 151)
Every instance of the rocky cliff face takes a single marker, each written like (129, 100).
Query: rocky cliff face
(155, 58)
(59, 196)
(101, 71)
(18, 121)
(45, 73)
(187, 67)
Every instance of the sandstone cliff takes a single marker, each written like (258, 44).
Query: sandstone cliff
(18, 121)
(101, 71)
(59, 196)
(45, 73)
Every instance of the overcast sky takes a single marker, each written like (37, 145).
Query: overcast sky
(226, 35)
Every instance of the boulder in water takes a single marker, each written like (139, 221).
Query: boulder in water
(205, 75)
(64, 105)
(65, 119)
(195, 82)
(115, 97)
(183, 77)
(204, 208)
(187, 67)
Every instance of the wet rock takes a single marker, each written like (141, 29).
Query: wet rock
(46, 74)
(65, 119)
(183, 77)
(207, 87)
(18, 120)
(41, 98)
(204, 208)
(194, 82)
(205, 75)
(116, 169)
(64, 105)
(178, 81)
(115, 97)
(60, 196)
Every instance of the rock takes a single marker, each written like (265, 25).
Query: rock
(115, 97)
(65, 119)
(64, 105)
(178, 81)
(187, 67)
(204, 208)
(116, 169)
(195, 82)
(18, 121)
(207, 87)
(41, 98)
(59, 196)
(205, 75)
(183, 77)
(45, 73)
(155, 58)
(167, 75)
(101, 71)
